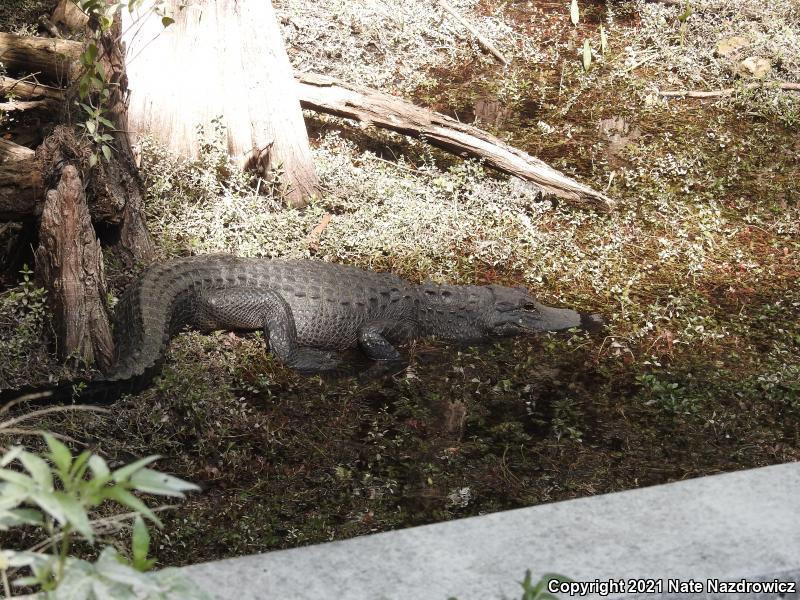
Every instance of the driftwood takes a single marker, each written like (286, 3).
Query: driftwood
(329, 95)
(70, 264)
(20, 183)
(785, 86)
(485, 44)
(54, 59)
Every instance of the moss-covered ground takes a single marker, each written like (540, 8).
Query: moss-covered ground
(696, 272)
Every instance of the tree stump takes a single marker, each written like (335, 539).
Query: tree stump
(69, 261)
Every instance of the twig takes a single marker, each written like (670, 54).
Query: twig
(485, 44)
(47, 411)
(23, 431)
(112, 520)
(786, 86)
(312, 240)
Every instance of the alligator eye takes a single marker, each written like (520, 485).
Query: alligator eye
(529, 306)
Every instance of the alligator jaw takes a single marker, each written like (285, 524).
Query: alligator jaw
(546, 318)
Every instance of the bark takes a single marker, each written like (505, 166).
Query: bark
(329, 95)
(69, 17)
(50, 59)
(20, 183)
(70, 264)
(221, 59)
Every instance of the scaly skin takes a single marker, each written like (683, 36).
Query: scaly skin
(309, 310)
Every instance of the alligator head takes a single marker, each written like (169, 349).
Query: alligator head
(514, 311)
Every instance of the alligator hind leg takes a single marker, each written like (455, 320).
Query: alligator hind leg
(248, 308)
(372, 340)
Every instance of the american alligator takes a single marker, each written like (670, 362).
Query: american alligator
(309, 311)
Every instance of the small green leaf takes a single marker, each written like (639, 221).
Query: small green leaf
(161, 484)
(98, 466)
(92, 160)
(124, 497)
(79, 466)
(11, 455)
(587, 55)
(106, 150)
(574, 12)
(125, 472)
(48, 502)
(38, 468)
(140, 546)
(686, 13)
(603, 39)
(17, 478)
(91, 127)
(19, 516)
(59, 453)
(75, 515)
(91, 53)
(167, 21)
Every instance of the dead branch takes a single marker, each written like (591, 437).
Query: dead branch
(23, 105)
(333, 96)
(485, 43)
(29, 90)
(55, 59)
(786, 86)
(20, 183)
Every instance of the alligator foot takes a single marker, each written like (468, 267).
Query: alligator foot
(381, 369)
(309, 361)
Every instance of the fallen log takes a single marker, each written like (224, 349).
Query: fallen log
(336, 97)
(29, 90)
(56, 60)
(70, 264)
(20, 183)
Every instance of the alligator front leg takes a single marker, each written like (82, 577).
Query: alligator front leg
(248, 308)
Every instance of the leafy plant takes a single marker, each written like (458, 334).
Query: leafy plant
(683, 18)
(538, 590)
(94, 89)
(56, 493)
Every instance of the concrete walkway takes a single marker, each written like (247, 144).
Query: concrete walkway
(732, 526)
